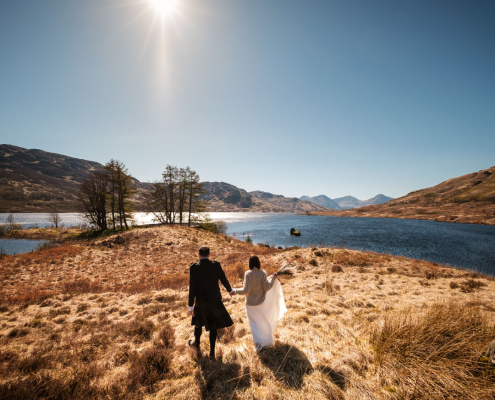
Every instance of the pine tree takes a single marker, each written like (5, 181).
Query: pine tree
(121, 189)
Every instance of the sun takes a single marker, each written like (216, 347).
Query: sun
(164, 7)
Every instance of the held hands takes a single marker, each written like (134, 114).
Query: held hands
(191, 312)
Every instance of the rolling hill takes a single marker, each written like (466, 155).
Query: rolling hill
(33, 180)
(468, 198)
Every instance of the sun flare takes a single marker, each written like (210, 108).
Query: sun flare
(164, 7)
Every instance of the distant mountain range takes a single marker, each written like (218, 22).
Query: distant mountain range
(347, 202)
(226, 197)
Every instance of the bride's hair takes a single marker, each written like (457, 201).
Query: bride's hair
(254, 262)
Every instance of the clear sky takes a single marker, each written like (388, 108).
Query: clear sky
(291, 97)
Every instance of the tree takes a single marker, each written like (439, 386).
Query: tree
(182, 176)
(56, 219)
(194, 189)
(92, 198)
(11, 222)
(172, 193)
(156, 202)
(120, 191)
(221, 227)
(175, 194)
(111, 167)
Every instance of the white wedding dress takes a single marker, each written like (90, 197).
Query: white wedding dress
(263, 318)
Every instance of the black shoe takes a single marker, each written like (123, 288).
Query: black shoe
(193, 343)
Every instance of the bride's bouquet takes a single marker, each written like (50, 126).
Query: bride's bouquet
(287, 269)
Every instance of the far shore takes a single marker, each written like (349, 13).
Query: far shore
(444, 214)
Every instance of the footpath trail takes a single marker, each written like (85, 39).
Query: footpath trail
(107, 319)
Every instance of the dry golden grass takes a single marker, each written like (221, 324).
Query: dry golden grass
(58, 235)
(107, 319)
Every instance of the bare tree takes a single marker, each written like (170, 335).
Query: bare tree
(221, 227)
(156, 202)
(175, 195)
(11, 222)
(56, 219)
(171, 186)
(92, 199)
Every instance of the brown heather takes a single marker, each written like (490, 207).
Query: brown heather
(106, 319)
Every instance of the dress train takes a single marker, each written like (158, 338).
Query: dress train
(263, 318)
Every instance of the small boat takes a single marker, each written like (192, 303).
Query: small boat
(293, 232)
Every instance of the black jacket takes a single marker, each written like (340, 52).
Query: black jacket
(203, 282)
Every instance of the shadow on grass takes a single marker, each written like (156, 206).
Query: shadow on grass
(336, 376)
(219, 380)
(288, 363)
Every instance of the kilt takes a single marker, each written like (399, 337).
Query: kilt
(211, 316)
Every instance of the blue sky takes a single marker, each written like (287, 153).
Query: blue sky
(291, 97)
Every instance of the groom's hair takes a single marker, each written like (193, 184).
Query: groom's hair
(254, 262)
(204, 251)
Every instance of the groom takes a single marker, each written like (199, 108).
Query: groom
(204, 289)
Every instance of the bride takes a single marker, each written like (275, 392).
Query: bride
(265, 304)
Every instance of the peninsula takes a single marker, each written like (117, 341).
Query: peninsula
(466, 199)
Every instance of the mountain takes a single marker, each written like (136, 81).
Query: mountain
(39, 181)
(322, 200)
(378, 199)
(291, 204)
(468, 198)
(226, 197)
(346, 202)
(223, 196)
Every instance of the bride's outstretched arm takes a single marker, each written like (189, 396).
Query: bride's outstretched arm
(246, 286)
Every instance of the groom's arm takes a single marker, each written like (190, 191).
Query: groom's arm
(223, 279)
(192, 290)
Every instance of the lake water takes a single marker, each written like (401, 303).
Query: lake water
(462, 245)
(18, 246)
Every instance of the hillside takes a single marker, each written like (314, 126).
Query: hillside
(346, 202)
(226, 197)
(39, 181)
(466, 199)
(106, 319)
(291, 204)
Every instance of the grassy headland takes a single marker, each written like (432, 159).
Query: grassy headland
(466, 199)
(106, 318)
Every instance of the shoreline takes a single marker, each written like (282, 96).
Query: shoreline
(75, 236)
(421, 217)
